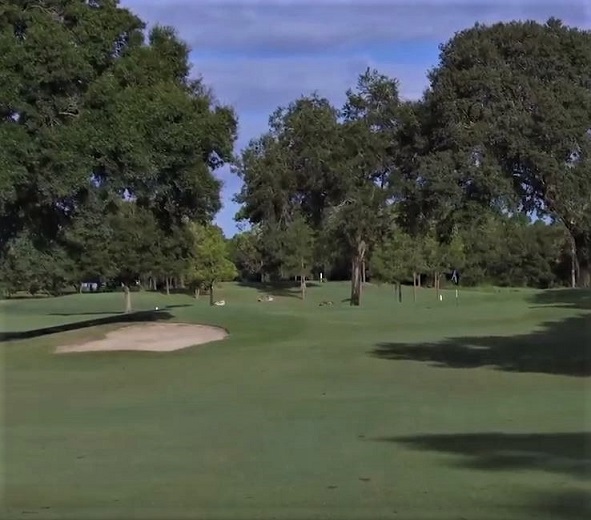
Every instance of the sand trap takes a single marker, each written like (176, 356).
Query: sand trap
(152, 337)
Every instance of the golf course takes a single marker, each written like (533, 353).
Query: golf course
(468, 408)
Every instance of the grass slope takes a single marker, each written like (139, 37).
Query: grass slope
(418, 411)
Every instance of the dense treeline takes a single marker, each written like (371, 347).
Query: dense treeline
(505, 251)
(414, 189)
(108, 148)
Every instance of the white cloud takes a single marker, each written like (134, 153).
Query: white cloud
(261, 84)
(232, 40)
(291, 26)
(260, 54)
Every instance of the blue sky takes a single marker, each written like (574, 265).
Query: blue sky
(258, 55)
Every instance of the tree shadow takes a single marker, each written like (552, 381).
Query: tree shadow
(562, 347)
(140, 316)
(556, 347)
(573, 504)
(114, 313)
(173, 291)
(565, 453)
(83, 313)
(570, 298)
(282, 289)
(32, 296)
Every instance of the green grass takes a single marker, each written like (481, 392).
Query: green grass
(426, 410)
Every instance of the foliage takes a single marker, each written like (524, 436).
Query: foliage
(510, 107)
(297, 248)
(94, 111)
(396, 258)
(28, 267)
(108, 148)
(210, 261)
(247, 254)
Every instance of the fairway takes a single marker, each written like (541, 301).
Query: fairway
(475, 409)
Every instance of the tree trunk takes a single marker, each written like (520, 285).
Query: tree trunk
(584, 273)
(363, 272)
(573, 265)
(436, 284)
(211, 300)
(356, 267)
(399, 292)
(355, 282)
(197, 292)
(182, 282)
(127, 298)
(303, 285)
(167, 286)
(414, 286)
(80, 287)
(581, 247)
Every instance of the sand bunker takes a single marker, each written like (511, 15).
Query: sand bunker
(153, 337)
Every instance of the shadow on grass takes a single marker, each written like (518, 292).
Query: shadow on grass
(560, 453)
(284, 289)
(174, 291)
(31, 296)
(562, 347)
(82, 313)
(573, 504)
(565, 453)
(134, 317)
(558, 347)
(571, 298)
(112, 313)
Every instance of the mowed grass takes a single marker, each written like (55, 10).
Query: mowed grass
(476, 409)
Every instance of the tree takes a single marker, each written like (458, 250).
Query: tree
(210, 259)
(510, 107)
(394, 258)
(370, 129)
(50, 56)
(247, 254)
(173, 252)
(26, 267)
(88, 240)
(89, 101)
(297, 250)
(133, 250)
(291, 168)
(291, 175)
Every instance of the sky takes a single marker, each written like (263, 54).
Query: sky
(261, 54)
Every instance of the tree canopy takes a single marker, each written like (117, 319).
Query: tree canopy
(94, 110)
(511, 107)
(109, 144)
(503, 130)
